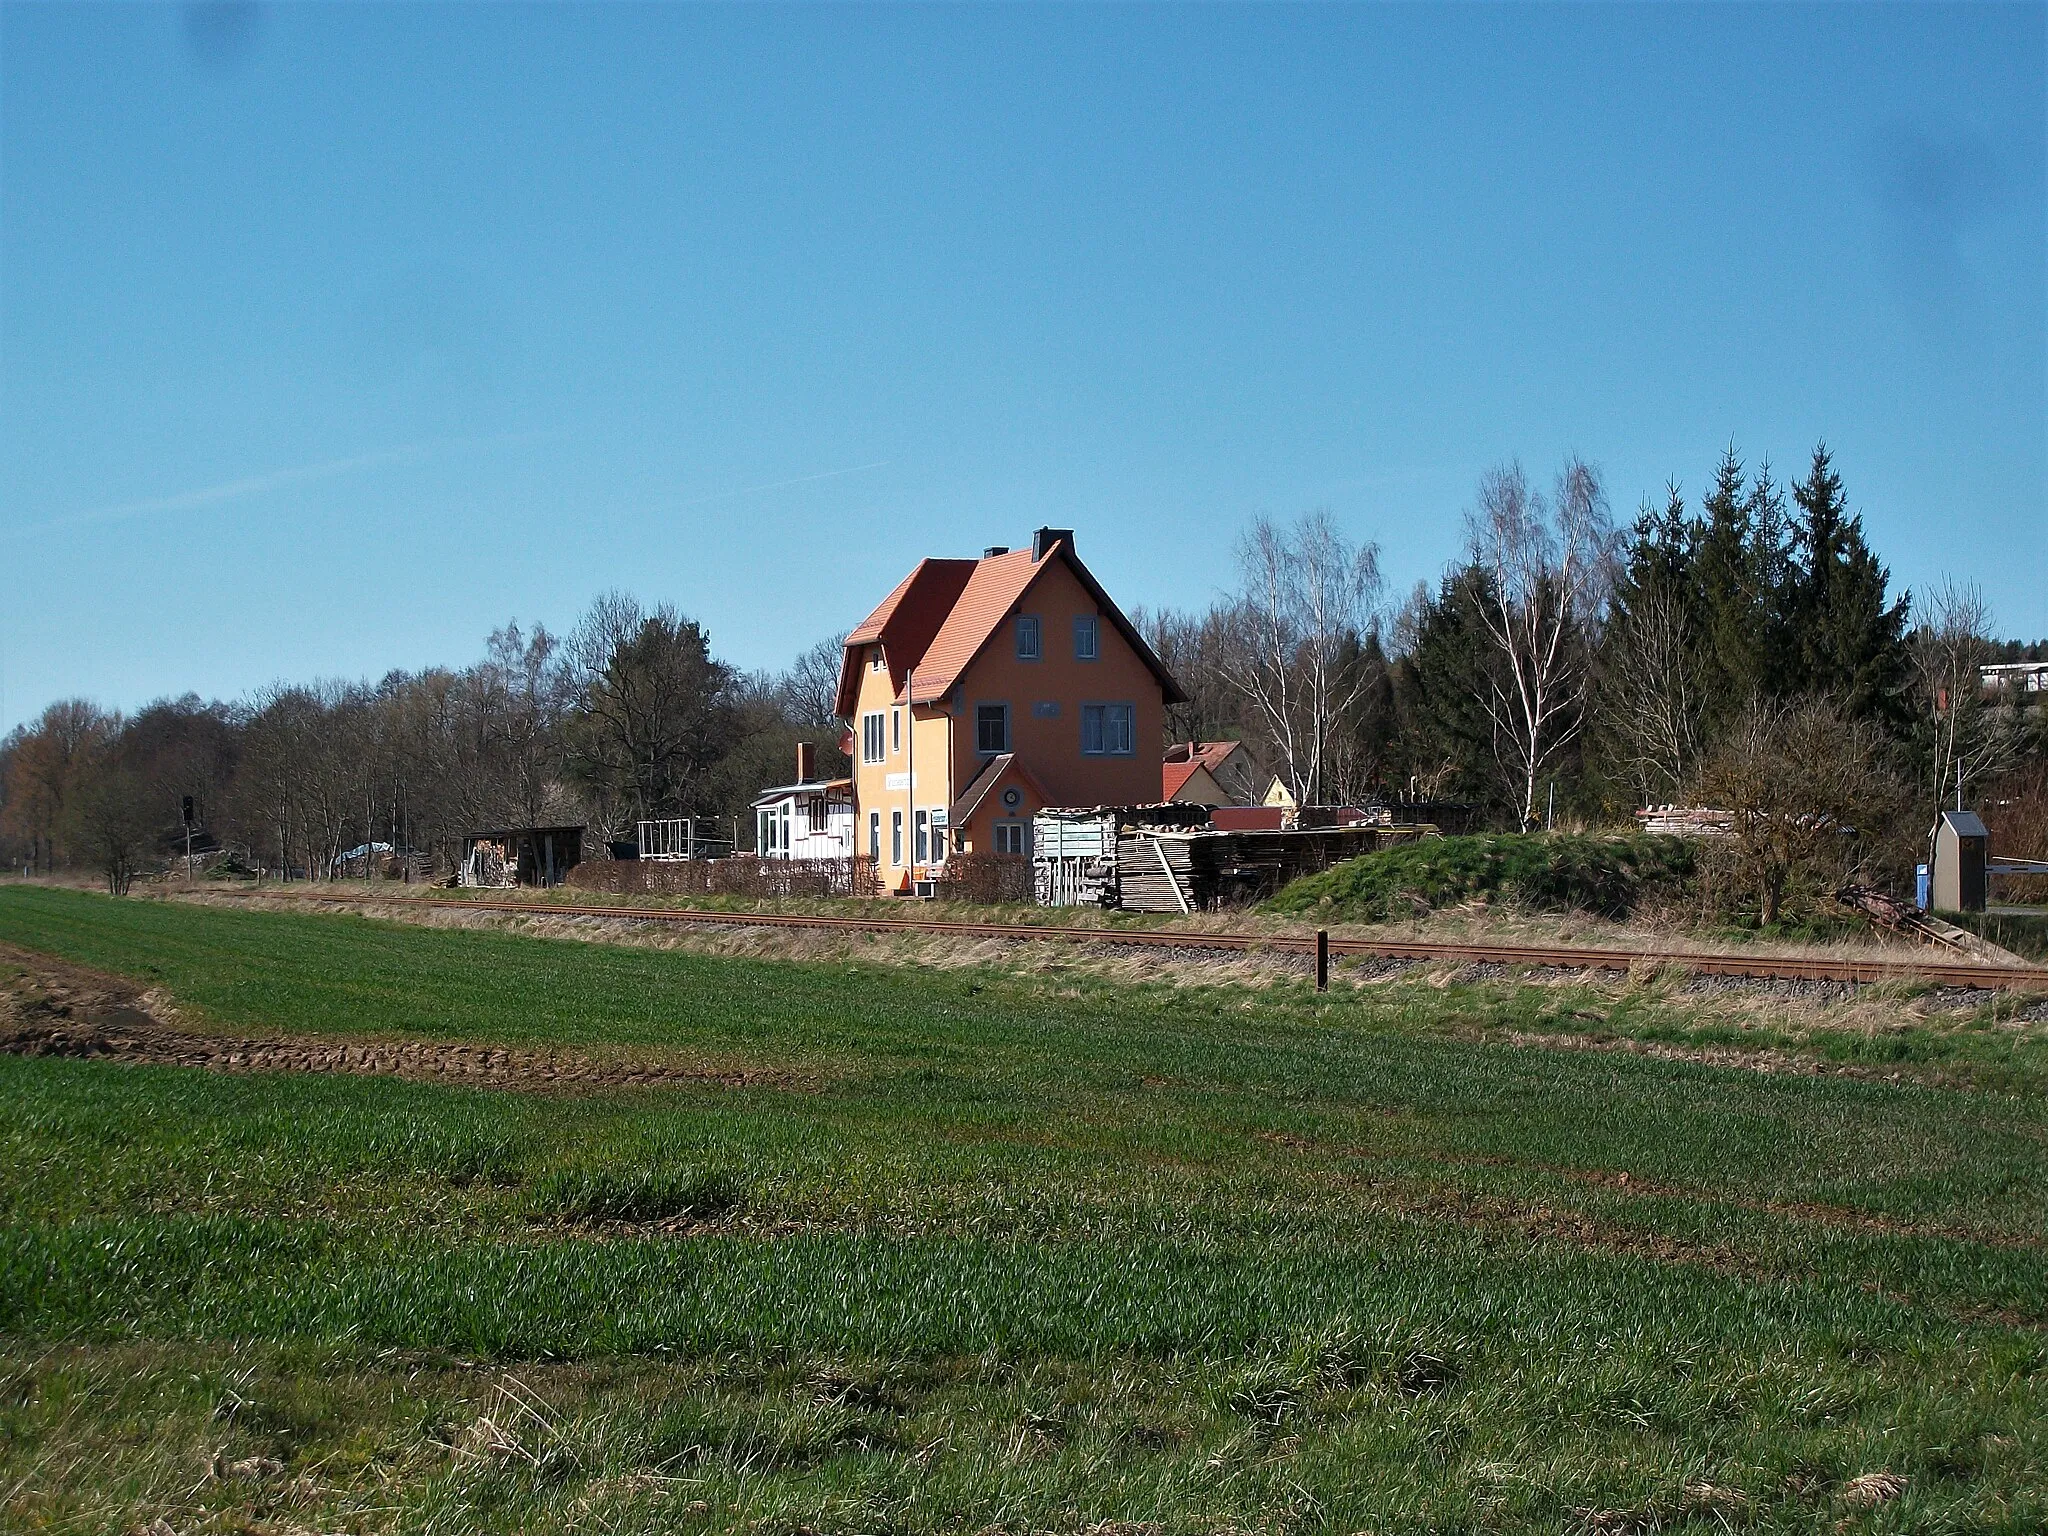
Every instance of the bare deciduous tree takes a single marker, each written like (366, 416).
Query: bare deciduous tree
(1808, 798)
(1546, 564)
(1194, 648)
(1970, 736)
(809, 690)
(1309, 596)
(1654, 699)
(108, 825)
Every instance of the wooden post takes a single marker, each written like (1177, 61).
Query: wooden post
(1322, 959)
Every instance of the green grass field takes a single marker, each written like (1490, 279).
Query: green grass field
(1004, 1252)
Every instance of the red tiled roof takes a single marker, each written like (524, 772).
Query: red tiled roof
(942, 614)
(997, 585)
(1174, 776)
(1212, 754)
(905, 623)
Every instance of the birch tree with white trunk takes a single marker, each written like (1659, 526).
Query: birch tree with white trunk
(1308, 596)
(1546, 564)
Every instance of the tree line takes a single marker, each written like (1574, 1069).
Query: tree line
(1743, 650)
(1745, 647)
(628, 716)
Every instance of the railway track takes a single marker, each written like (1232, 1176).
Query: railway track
(1561, 957)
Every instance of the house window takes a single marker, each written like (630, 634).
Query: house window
(1027, 638)
(1085, 639)
(1107, 730)
(1012, 837)
(871, 738)
(816, 805)
(991, 728)
(895, 730)
(874, 834)
(875, 659)
(895, 837)
(921, 833)
(938, 840)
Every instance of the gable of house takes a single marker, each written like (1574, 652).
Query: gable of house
(1190, 784)
(1230, 763)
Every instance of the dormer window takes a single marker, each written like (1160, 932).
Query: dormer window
(1028, 647)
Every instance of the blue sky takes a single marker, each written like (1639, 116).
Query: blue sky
(332, 337)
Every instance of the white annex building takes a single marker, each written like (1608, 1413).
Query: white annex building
(810, 819)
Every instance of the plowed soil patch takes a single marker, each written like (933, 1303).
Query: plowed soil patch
(51, 1008)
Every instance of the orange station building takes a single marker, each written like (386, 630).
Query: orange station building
(982, 691)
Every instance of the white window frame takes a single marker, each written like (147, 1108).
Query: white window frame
(1013, 831)
(871, 737)
(895, 839)
(1088, 624)
(1028, 624)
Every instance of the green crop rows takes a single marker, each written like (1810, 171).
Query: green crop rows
(985, 1251)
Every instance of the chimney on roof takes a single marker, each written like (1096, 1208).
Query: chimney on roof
(993, 550)
(1044, 539)
(806, 762)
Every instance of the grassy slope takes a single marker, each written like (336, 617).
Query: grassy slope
(1023, 1253)
(1547, 872)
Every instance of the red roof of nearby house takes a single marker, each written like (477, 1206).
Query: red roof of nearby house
(1173, 777)
(942, 614)
(1206, 754)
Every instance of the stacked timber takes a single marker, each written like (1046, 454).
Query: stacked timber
(1155, 871)
(1075, 850)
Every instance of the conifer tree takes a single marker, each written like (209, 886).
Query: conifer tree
(1772, 587)
(1850, 642)
(1445, 738)
(1731, 608)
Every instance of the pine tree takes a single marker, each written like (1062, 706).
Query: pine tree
(1731, 606)
(1445, 741)
(1850, 642)
(1773, 588)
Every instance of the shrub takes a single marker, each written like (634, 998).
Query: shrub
(1552, 872)
(1811, 806)
(986, 879)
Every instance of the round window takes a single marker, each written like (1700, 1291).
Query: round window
(1013, 797)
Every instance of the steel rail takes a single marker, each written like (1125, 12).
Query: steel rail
(1549, 956)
